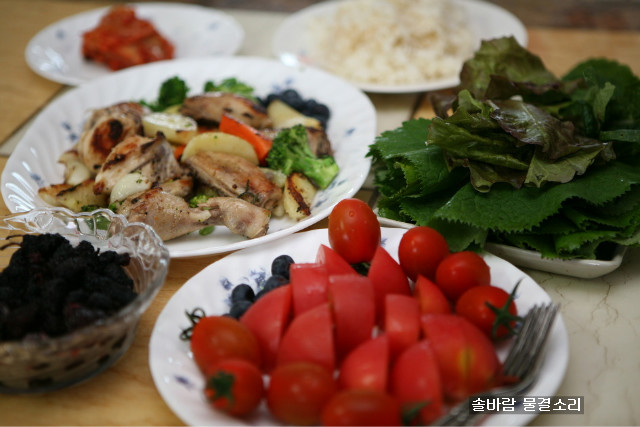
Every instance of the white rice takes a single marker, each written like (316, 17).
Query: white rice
(393, 42)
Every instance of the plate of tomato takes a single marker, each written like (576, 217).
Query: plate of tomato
(336, 335)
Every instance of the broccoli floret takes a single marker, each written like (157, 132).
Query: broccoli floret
(231, 85)
(172, 92)
(197, 199)
(290, 152)
(205, 231)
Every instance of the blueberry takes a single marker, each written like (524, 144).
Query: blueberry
(293, 98)
(274, 281)
(317, 110)
(260, 294)
(280, 266)
(309, 107)
(238, 308)
(269, 99)
(242, 292)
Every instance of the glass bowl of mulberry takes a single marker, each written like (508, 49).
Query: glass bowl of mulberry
(72, 289)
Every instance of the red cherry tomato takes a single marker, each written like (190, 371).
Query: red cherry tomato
(420, 251)
(298, 391)
(461, 271)
(415, 380)
(467, 360)
(234, 386)
(362, 407)
(491, 309)
(354, 230)
(215, 338)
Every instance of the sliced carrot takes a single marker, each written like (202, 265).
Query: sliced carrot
(260, 142)
(178, 150)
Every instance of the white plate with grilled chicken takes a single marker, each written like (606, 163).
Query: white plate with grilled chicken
(61, 126)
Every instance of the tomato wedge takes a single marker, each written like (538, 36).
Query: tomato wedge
(401, 322)
(367, 365)
(430, 297)
(354, 310)
(309, 283)
(387, 277)
(268, 318)
(334, 263)
(309, 338)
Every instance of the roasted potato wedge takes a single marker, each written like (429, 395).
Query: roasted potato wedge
(73, 197)
(299, 193)
(176, 128)
(220, 142)
(284, 116)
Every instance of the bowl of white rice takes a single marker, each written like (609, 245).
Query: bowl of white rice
(393, 45)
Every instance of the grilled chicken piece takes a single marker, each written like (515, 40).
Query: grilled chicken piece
(180, 187)
(153, 156)
(211, 106)
(171, 217)
(239, 216)
(105, 128)
(319, 142)
(235, 176)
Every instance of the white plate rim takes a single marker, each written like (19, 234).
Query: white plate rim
(43, 56)
(283, 44)
(174, 372)
(581, 268)
(351, 133)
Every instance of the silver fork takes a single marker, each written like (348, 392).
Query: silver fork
(522, 365)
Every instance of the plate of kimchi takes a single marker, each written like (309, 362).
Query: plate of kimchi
(92, 44)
